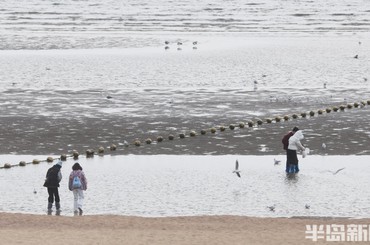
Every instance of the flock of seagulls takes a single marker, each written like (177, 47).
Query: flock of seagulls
(277, 162)
(273, 207)
(179, 45)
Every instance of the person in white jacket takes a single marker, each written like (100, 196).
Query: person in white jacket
(294, 145)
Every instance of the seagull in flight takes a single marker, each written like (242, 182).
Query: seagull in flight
(276, 162)
(334, 173)
(237, 171)
(272, 208)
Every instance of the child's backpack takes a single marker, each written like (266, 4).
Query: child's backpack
(76, 183)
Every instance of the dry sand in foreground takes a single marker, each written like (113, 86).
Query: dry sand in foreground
(39, 229)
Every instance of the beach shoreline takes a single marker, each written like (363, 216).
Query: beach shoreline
(109, 229)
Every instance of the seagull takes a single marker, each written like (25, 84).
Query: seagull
(276, 162)
(307, 206)
(272, 208)
(334, 173)
(323, 146)
(125, 143)
(356, 56)
(34, 191)
(195, 42)
(179, 43)
(166, 47)
(166, 42)
(237, 171)
(255, 85)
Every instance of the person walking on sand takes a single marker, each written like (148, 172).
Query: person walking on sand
(53, 178)
(77, 184)
(285, 142)
(294, 145)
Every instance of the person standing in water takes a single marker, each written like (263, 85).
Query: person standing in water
(294, 145)
(77, 184)
(53, 178)
(285, 142)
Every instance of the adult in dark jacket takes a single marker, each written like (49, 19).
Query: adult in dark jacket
(53, 178)
(285, 142)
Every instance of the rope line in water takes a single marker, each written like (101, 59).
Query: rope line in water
(192, 133)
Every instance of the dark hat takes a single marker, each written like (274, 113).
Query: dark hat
(295, 129)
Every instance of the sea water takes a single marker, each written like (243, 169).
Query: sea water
(162, 185)
(52, 51)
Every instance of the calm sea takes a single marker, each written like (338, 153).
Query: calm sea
(70, 24)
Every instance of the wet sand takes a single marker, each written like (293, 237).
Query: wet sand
(38, 126)
(43, 229)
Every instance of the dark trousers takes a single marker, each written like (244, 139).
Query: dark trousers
(292, 162)
(53, 192)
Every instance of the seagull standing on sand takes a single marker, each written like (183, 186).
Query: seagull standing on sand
(195, 44)
(179, 45)
(323, 146)
(255, 85)
(237, 171)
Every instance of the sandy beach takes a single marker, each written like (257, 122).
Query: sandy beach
(37, 229)
(92, 75)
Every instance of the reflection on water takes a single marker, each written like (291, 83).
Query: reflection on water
(198, 185)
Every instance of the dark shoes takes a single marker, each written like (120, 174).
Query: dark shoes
(78, 212)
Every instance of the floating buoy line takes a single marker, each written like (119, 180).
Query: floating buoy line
(192, 133)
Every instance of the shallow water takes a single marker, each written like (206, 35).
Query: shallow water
(227, 62)
(198, 185)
